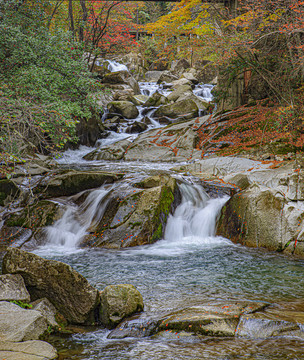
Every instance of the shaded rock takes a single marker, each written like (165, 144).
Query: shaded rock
(27, 350)
(72, 182)
(14, 236)
(189, 76)
(119, 302)
(123, 95)
(17, 324)
(8, 191)
(136, 127)
(68, 291)
(257, 217)
(180, 108)
(12, 287)
(220, 319)
(153, 76)
(159, 65)
(180, 66)
(88, 131)
(46, 309)
(207, 73)
(126, 108)
(122, 77)
(167, 77)
(201, 104)
(156, 100)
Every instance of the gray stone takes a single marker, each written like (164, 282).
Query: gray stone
(27, 350)
(125, 108)
(47, 309)
(122, 77)
(17, 324)
(12, 287)
(180, 91)
(219, 319)
(153, 76)
(68, 291)
(119, 302)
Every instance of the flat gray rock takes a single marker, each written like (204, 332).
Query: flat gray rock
(27, 350)
(17, 324)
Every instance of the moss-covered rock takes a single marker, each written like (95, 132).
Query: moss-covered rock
(125, 108)
(137, 218)
(118, 302)
(186, 108)
(156, 99)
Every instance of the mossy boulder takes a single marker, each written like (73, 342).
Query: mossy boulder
(185, 108)
(261, 217)
(113, 152)
(136, 218)
(125, 108)
(118, 302)
(65, 288)
(180, 91)
(43, 213)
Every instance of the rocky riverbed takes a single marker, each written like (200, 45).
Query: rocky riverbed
(152, 206)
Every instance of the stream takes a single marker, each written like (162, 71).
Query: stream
(190, 266)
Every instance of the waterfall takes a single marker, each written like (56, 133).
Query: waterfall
(68, 231)
(115, 66)
(191, 226)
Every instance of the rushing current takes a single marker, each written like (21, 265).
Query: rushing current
(189, 266)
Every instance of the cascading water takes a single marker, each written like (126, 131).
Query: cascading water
(68, 231)
(190, 266)
(116, 66)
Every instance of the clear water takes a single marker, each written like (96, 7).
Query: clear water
(190, 266)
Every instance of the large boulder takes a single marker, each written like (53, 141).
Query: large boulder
(185, 108)
(125, 108)
(18, 324)
(65, 288)
(189, 76)
(122, 77)
(27, 350)
(119, 302)
(153, 76)
(219, 319)
(136, 216)
(12, 287)
(180, 66)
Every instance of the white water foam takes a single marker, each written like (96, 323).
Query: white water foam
(116, 66)
(191, 227)
(68, 232)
